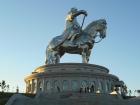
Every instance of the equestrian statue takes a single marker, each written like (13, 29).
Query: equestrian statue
(74, 39)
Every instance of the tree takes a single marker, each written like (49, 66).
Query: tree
(138, 91)
(3, 86)
(8, 87)
(130, 92)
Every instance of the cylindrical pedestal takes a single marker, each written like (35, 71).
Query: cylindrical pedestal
(70, 77)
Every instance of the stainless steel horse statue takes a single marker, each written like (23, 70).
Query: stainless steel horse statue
(82, 44)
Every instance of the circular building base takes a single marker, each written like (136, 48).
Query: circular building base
(70, 77)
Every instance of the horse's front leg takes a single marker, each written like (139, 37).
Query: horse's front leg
(88, 54)
(84, 53)
(84, 60)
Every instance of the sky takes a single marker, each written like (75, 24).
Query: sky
(27, 27)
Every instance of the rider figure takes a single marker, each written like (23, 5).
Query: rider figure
(72, 28)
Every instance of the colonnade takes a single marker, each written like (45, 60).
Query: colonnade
(63, 85)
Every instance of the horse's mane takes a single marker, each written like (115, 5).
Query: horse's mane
(90, 28)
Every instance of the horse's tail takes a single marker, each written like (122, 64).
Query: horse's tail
(47, 55)
(46, 61)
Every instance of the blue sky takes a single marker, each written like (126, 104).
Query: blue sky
(27, 26)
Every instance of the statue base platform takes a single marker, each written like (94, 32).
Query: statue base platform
(71, 77)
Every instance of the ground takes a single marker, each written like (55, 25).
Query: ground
(72, 99)
(4, 97)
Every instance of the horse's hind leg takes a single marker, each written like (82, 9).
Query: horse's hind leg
(51, 57)
(57, 58)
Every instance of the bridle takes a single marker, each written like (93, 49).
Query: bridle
(98, 40)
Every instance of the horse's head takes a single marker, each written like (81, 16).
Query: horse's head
(101, 27)
(95, 27)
